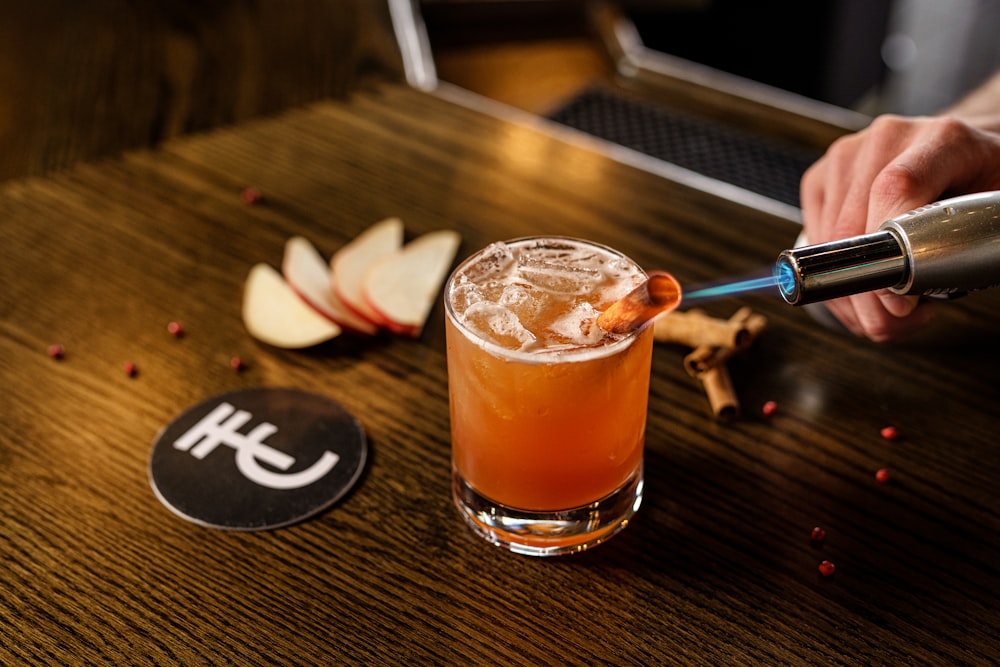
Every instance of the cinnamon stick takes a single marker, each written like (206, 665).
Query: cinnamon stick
(751, 324)
(747, 325)
(694, 327)
(713, 341)
(720, 392)
(705, 357)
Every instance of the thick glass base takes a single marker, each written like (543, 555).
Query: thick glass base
(548, 533)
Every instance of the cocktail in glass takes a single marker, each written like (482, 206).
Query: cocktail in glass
(548, 411)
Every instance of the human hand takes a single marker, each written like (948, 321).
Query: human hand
(893, 166)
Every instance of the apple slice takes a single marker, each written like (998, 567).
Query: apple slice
(349, 264)
(403, 286)
(273, 313)
(309, 275)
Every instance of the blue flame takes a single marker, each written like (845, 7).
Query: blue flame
(710, 292)
(786, 279)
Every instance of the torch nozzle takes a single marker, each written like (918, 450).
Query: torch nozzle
(841, 268)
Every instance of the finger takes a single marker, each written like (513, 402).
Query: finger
(903, 185)
(918, 319)
(886, 139)
(898, 305)
(880, 325)
(812, 189)
(824, 187)
(874, 321)
(945, 156)
(843, 310)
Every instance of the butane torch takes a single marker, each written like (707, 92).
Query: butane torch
(943, 249)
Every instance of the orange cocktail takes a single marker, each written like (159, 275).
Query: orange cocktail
(548, 412)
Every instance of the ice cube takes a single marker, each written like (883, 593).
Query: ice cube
(494, 260)
(523, 298)
(492, 290)
(618, 267)
(515, 294)
(464, 294)
(622, 285)
(578, 326)
(527, 302)
(498, 324)
(559, 277)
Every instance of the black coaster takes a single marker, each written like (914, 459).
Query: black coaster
(257, 459)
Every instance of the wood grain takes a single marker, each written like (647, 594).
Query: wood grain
(87, 80)
(717, 568)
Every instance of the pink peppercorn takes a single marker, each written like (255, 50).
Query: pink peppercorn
(827, 568)
(56, 351)
(130, 369)
(250, 196)
(882, 476)
(889, 433)
(236, 364)
(175, 329)
(817, 536)
(769, 408)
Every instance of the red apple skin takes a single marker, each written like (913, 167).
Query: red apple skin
(371, 315)
(352, 321)
(429, 257)
(399, 328)
(309, 276)
(349, 264)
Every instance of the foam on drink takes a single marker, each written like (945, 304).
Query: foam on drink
(542, 297)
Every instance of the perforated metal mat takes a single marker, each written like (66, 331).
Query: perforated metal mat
(715, 150)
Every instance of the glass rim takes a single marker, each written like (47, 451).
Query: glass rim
(568, 354)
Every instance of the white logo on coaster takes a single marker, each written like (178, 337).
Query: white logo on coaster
(219, 427)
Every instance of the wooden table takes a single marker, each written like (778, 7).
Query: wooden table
(718, 567)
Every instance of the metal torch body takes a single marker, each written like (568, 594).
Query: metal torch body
(946, 248)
